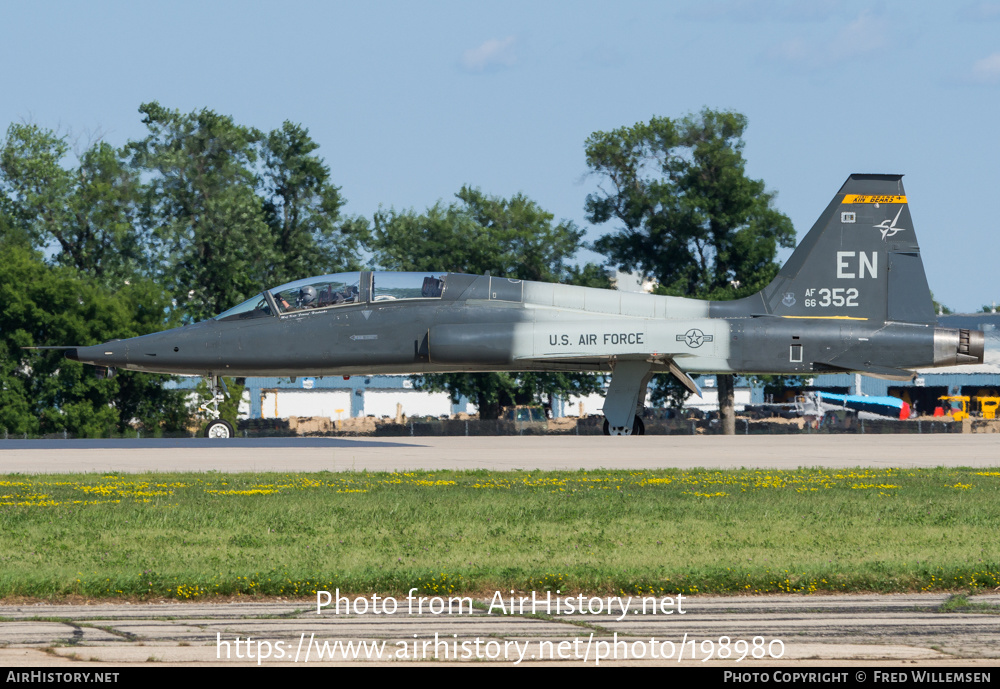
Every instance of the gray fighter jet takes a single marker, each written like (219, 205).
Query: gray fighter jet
(853, 297)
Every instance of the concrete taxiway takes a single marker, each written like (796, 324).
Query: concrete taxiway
(809, 630)
(500, 453)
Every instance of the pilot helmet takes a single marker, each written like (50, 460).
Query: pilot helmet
(307, 295)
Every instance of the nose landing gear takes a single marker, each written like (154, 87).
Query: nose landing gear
(217, 428)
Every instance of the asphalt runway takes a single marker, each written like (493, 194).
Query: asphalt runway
(499, 453)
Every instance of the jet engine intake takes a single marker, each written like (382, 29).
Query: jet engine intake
(479, 344)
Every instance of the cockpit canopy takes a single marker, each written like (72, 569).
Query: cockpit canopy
(339, 289)
(318, 292)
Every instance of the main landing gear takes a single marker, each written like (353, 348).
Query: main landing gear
(626, 398)
(217, 428)
(638, 428)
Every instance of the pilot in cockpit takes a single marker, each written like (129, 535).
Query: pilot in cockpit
(306, 298)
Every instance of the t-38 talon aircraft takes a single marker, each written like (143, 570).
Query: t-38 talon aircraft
(852, 298)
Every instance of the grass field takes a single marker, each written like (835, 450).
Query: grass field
(201, 535)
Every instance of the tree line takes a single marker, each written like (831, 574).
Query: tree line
(203, 213)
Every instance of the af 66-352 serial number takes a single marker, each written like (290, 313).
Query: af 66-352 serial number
(837, 296)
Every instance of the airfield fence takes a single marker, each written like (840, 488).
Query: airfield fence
(263, 428)
(594, 426)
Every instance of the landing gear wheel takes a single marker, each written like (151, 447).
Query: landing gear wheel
(638, 428)
(219, 428)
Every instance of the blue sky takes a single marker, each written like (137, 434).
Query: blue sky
(411, 100)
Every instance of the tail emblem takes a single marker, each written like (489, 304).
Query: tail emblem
(888, 230)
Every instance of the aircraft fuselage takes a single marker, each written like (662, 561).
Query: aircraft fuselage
(853, 297)
(483, 323)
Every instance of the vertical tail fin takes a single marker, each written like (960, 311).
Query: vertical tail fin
(860, 261)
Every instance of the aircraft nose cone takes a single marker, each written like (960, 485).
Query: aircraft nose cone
(71, 354)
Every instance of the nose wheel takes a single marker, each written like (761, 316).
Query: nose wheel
(638, 428)
(220, 428)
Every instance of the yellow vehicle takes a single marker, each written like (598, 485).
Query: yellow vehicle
(988, 406)
(956, 413)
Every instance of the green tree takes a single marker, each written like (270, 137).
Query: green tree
(687, 213)
(86, 214)
(589, 275)
(302, 208)
(512, 238)
(43, 392)
(939, 308)
(104, 237)
(509, 237)
(85, 217)
(213, 243)
(34, 181)
(13, 228)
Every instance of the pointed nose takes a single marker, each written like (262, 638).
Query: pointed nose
(114, 353)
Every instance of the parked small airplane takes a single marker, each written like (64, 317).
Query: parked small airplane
(853, 297)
